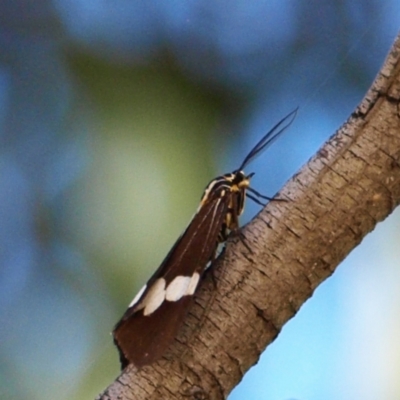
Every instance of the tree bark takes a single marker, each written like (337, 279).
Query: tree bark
(351, 184)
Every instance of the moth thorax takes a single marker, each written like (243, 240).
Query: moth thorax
(239, 181)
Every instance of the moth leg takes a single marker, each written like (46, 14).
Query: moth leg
(250, 189)
(255, 200)
(234, 228)
(279, 199)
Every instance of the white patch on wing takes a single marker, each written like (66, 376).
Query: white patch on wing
(154, 297)
(138, 296)
(193, 284)
(178, 288)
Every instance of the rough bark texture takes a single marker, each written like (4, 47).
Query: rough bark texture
(351, 184)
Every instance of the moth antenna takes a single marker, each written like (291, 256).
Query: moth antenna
(269, 137)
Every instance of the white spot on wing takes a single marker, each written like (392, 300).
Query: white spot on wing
(154, 297)
(178, 288)
(138, 296)
(182, 286)
(193, 284)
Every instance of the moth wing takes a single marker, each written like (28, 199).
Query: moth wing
(142, 339)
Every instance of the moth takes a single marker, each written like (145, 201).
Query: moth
(154, 316)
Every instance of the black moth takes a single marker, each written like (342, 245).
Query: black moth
(154, 316)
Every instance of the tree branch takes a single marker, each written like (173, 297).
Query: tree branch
(351, 184)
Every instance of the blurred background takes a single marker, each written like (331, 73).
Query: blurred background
(113, 118)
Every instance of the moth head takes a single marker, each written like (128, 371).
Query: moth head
(239, 180)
